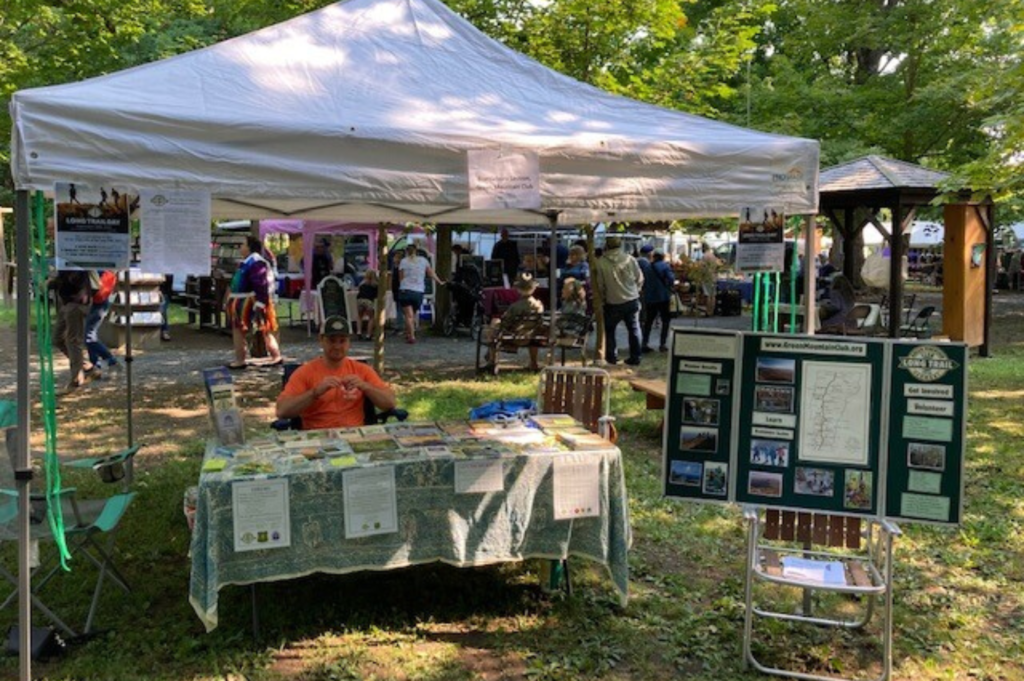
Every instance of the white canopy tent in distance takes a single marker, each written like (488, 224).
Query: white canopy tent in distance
(369, 111)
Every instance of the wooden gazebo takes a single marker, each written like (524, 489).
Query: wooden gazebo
(852, 195)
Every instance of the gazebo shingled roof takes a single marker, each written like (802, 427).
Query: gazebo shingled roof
(877, 172)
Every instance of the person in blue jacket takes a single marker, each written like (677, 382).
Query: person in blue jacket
(659, 281)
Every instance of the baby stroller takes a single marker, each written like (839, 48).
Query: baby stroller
(467, 309)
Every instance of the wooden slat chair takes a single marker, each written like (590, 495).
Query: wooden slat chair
(862, 547)
(582, 392)
(585, 394)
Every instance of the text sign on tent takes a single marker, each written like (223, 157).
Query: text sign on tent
(760, 246)
(928, 384)
(699, 414)
(176, 232)
(503, 179)
(810, 436)
(93, 227)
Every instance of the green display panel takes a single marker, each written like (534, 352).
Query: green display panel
(809, 430)
(927, 407)
(699, 414)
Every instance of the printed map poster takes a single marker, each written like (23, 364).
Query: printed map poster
(93, 226)
(175, 232)
(503, 179)
(760, 246)
(835, 412)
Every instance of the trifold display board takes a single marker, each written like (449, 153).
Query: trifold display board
(851, 426)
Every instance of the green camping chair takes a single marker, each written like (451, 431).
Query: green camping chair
(87, 524)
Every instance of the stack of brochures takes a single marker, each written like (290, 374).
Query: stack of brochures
(584, 441)
(821, 571)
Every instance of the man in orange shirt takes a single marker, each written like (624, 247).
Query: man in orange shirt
(328, 392)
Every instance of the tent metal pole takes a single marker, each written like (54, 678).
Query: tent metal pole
(553, 280)
(810, 282)
(23, 467)
(128, 359)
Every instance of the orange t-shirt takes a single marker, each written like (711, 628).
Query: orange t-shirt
(332, 409)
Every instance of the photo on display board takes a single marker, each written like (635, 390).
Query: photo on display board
(773, 398)
(701, 412)
(764, 484)
(857, 489)
(928, 456)
(818, 482)
(769, 453)
(686, 473)
(695, 439)
(716, 476)
(775, 370)
(722, 387)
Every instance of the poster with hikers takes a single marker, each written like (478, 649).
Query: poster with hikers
(93, 226)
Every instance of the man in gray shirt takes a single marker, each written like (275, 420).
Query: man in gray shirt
(619, 279)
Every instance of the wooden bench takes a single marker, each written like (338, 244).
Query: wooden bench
(533, 330)
(655, 390)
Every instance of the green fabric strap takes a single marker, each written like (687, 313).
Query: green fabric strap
(757, 302)
(47, 392)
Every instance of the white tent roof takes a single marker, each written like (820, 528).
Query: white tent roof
(364, 110)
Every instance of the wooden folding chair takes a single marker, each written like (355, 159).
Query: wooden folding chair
(854, 558)
(585, 394)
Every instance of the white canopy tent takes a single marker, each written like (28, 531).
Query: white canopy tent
(365, 111)
(924, 234)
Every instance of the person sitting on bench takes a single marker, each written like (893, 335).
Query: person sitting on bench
(527, 304)
(328, 392)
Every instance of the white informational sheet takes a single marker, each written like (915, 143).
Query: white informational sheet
(577, 487)
(92, 227)
(370, 504)
(821, 571)
(503, 179)
(835, 412)
(261, 514)
(175, 232)
(484, 475)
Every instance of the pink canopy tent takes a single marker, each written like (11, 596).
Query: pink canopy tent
(310, 228)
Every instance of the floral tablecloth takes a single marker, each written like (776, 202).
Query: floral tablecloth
(435, 524)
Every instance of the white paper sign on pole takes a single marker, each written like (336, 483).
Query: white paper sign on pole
(261, 515)
(503, 179)
(577, 486)
(176, 232)
(370, 503)
(92, 227)
(761, 246)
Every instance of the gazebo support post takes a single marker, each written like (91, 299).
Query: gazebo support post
(896, 272)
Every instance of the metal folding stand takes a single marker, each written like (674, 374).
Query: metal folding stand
(869, 571)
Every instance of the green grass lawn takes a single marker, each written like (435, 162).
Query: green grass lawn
(959, 592)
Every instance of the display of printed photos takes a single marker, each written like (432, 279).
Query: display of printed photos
(775, 370)
(685, 473)
(819, 482)
(928, 456)
(774, 398)
(697, 439)
(722, 387)
(700, 412)
(716, 477)
(857, 489)
(765, 484)
(769, 453)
